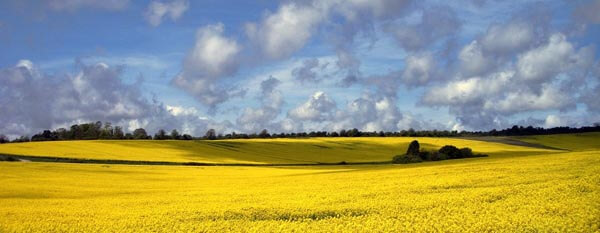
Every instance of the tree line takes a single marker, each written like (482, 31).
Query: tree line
(106, 131)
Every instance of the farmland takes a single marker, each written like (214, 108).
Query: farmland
(255, 151)
(516, 189)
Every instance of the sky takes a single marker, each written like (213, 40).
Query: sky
(298, 66)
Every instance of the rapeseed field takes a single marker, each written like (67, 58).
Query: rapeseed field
(547, 192)
(256, 151)
(516, 189)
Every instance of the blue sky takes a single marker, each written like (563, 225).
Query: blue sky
(298, 65)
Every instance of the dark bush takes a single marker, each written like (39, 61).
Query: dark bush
(451, 151)
(413, 148)
(425, 155)
(406, 159)
(466, 152)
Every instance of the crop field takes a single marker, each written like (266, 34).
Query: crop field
(255, 151)
(515, 189)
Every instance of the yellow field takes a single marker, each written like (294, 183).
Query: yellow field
(544, 191)
(574, 142)
(260, 151)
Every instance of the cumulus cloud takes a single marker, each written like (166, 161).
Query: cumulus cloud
(545, 62)
(554, 121)
(283, 32)
(549, 98)
(158, 10)
(252, 120)
(32, 101)
(543, 78)
(319, 107)
(213, 57)
(371, 113)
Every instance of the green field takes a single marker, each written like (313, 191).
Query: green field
(515, 189)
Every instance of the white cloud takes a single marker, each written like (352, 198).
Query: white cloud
(419, 69)
(468, 91)
(157, 10)
(213, 54)
(554, 121)
(282, 33)
(520, 101)
(546, 61)
(212, 57)
(371, 113)
(318, 107)
(253, 120)
(93, 93)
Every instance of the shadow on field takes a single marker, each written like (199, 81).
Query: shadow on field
(272, 151)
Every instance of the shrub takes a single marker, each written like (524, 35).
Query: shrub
(413, 148)
(466, 152)
(451, 151)
(425, 155)
(442, 156)
(406, 159)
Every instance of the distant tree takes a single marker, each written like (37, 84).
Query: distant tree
(107, 132)
(140, 133)
(264, 134)
(3, 138)
(211, 134)
(118, 133)
(412, 132)
(62, 134)
(76, 132)
(413, 148)
(128, 136)
(160, 135)
(46, 135)
(186, 137)
(175, 134)
(354, 133)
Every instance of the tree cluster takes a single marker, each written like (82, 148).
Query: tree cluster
(415, 155)
(97, 130)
